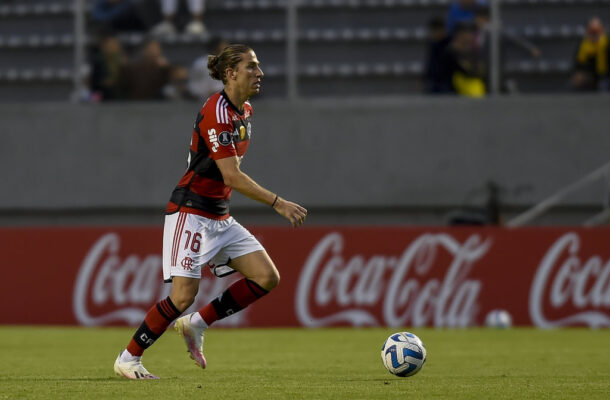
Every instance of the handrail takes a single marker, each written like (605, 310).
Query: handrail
(600, 173)
(79, 48)
(598, 218)
(292, 49)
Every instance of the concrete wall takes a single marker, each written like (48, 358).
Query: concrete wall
(404, 152)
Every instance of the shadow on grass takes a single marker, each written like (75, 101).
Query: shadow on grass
(60, 379)
(82, 379)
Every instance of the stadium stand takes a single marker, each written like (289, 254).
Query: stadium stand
(345, 47)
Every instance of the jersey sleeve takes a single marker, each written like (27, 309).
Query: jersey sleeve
(217, 132)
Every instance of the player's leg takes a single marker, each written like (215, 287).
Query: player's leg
(258, 268)
(183, 293)
(158, 318)
(260, 277)
(245, 254)
(177, 231)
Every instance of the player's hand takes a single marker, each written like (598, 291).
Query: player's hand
(291, 211)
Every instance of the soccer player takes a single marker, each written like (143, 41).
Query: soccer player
(198, 228)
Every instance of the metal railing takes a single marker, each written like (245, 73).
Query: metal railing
(80, 36)
(601, 174)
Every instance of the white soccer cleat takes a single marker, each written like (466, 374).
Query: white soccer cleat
(193, 337)
(132, 369)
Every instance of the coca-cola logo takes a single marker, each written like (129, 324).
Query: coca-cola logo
(564, 280)
(110, 289)
(406, 285)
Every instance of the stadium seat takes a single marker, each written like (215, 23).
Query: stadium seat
(335, 39)
(248, 4)
(538, 67)
(36, 41)
(29, 74)
(21, 10)
(349, 34)
(345, 70)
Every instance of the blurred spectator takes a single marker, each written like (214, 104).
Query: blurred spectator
(461, 11)
(116, 15)
(83, 92)
(437, 42)
(107, 59)
(169, 10)
(177, 87)
(201, 85)
(463, 69)
(145, 77)
(591, 63)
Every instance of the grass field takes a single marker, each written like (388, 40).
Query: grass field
(341, 363)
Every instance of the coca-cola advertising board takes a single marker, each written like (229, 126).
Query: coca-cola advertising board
(330, 276)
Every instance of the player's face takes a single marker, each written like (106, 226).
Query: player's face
(249, 74)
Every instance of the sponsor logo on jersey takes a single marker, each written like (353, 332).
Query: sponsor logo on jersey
(225, 138)
(213, 139)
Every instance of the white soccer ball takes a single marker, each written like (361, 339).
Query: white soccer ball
(403, 354)
(498, 319)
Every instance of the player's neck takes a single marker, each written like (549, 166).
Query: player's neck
(236, 97)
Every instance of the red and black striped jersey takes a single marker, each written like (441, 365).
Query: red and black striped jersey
(220, 131)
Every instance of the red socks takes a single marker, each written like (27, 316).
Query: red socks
(237, 297)
(156, 322)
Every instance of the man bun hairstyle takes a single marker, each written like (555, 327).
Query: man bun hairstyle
(228, 58)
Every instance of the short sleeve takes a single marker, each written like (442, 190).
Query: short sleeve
(219, 140)
(217, 132)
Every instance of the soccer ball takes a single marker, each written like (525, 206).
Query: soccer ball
(498, 319)
(403, 354)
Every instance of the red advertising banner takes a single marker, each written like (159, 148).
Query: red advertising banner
(360, 276)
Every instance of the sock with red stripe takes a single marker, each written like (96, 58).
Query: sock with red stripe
(237, 297)
(155, 323)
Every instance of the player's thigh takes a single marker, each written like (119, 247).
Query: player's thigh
(258, 267)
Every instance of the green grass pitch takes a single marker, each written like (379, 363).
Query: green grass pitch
(339, 363)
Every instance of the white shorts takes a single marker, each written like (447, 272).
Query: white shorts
(191, 241)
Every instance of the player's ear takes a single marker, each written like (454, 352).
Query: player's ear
(231, 74)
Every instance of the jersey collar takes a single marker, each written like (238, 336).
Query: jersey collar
(224, 94)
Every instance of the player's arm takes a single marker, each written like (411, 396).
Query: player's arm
(237, 180)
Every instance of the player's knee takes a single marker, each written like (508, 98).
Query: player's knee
(272, 279)
(182, 299)
(183, 292)
(268, 279)
(183, 302)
